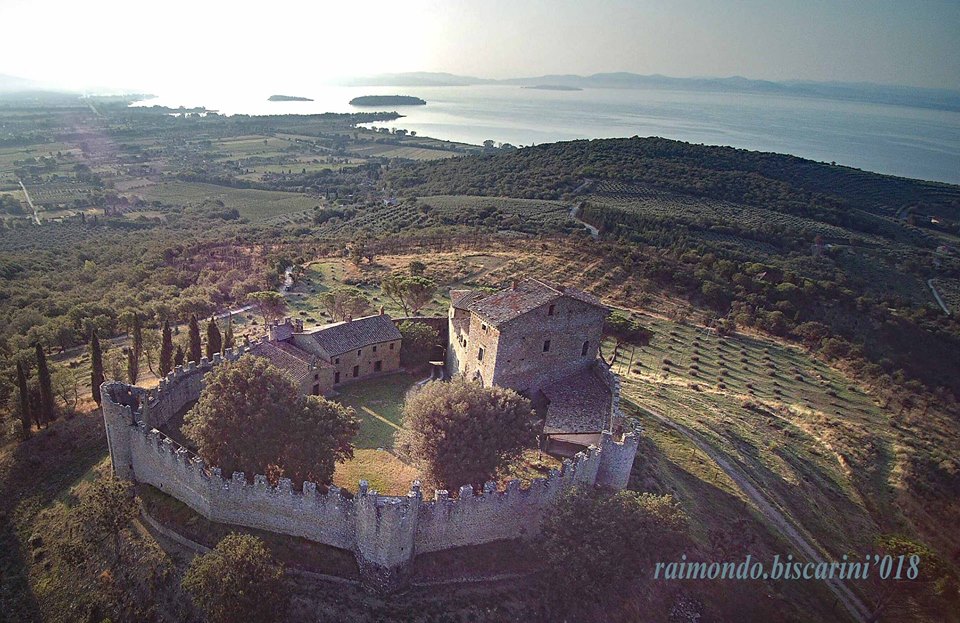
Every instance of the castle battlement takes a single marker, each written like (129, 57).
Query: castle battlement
(385, 532)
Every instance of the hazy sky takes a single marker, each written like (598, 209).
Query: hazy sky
(182, 44)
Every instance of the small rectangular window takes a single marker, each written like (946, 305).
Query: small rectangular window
(356, 371)
(586, 347)
(316, 377)
(336, 361)
(551, 309)
(377, 366)
(391, 345)
(358, 353)
(480, 354)
(374, 349)
(546, 346)
(483, 326)
(336, 378)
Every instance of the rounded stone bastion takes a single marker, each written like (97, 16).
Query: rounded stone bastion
(384, 532)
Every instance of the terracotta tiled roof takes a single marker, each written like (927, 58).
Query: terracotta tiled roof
(579, 403)
(342, 337)
(292, 360)
(528, 295)
(462, 299)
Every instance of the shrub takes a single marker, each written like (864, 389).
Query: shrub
(237, 581)
(251, 416)
(464, 433)
(596, 543)
(418, 343)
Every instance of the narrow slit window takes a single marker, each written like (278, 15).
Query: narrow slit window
(546, 346)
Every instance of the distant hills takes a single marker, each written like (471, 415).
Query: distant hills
(13, 84)
(941, 99)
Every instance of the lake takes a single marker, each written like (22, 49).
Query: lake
(899, 140)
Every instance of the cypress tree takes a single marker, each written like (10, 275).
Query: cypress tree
(195, 353)
(228, 340)
(24, 392)
(133, 366)
(96, 366)
(48, 410)
(214, 340)
(178, 356)
(166, 350)
(137, 336)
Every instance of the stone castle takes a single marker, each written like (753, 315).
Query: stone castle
(541, 339)
(535, 337)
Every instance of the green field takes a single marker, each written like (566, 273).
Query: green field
(252, 204)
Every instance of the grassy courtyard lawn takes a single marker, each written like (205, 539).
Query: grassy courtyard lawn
(379, 404)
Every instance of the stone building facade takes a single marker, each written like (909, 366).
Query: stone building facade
(335, 354)
(524, 337)
(384, 532)
(543, 340)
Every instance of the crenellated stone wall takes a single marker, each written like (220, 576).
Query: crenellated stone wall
(384, 532)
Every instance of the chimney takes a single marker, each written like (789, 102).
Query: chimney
(349, 318)
(381, 310)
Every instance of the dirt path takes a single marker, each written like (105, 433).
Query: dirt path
(784, 524)
(936, 295)
(594, 232)
(36, 214)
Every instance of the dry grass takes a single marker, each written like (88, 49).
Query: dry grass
(385, 472)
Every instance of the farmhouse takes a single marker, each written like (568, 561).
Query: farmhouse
(541, 339)
(332, 355)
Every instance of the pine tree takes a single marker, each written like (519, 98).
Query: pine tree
(166, 350)
(96, 366)
(179, 356)
(24, 392)
(214, 340)
(228, 340)
(137, 336)
(194, 353)
(133, 366)
(48, 410)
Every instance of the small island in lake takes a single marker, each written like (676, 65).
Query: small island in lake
(553, 87)
(387, 100)
(288, 98)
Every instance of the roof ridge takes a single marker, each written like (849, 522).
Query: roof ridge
(546, 285)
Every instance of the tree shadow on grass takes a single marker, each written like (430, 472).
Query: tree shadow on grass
(33, 474)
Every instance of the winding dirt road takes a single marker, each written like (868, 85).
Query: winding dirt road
(783, 523)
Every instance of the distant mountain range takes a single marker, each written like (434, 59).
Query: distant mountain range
(11, 84)
(941, 99)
